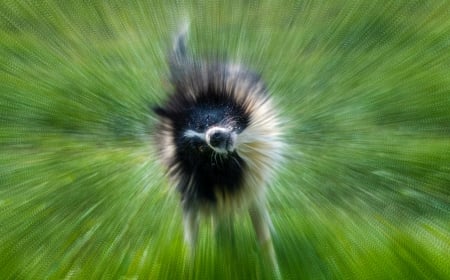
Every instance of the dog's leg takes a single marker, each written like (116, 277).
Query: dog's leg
(262, 225)
(191, 222)
(223, 229)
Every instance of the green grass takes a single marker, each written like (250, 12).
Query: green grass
(364, 87)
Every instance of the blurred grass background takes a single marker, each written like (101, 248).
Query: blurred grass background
(364, 87)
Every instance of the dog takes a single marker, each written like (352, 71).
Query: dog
(219, 135)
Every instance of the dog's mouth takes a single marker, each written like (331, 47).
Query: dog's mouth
(221, 140)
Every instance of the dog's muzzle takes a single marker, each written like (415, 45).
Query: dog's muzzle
(221, 140)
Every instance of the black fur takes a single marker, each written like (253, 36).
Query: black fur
(197, 162)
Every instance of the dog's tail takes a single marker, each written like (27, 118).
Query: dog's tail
(179, 45)
(179, 57)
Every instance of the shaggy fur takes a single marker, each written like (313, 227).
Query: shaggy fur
(219, 136)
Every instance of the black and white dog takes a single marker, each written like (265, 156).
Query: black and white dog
(220, 137)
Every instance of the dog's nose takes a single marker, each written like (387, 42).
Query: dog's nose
(219, 139)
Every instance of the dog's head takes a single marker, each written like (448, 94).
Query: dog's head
(209, 124)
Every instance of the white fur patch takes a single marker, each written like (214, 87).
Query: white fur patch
(192, 133)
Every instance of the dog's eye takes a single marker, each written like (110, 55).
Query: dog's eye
(201, 148)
